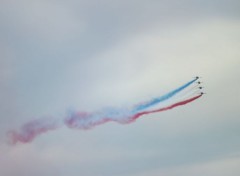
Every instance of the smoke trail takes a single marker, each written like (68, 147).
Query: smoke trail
(83, 120)
(32, 129)
(86, 120)
(164, 97)
(167, 108)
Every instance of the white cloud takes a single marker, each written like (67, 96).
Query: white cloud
(39, 20)
(220, 167)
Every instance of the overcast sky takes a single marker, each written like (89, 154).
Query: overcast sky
(87, 55)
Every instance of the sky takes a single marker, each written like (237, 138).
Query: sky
(56, 56)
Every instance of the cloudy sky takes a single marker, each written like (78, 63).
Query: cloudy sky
(87, 55)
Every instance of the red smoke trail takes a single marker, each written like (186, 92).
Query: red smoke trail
(32, 129)
(166, 108)
(84, 120)
(81, 121)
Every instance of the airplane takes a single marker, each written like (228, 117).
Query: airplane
(202, 93)
(196, 77)
(200, 87)
(199, 82)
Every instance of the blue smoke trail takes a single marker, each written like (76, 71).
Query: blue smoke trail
(163, 98)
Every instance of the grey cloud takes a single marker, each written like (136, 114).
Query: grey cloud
(127, 52)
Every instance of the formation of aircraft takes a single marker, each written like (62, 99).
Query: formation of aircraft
(199, 83)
